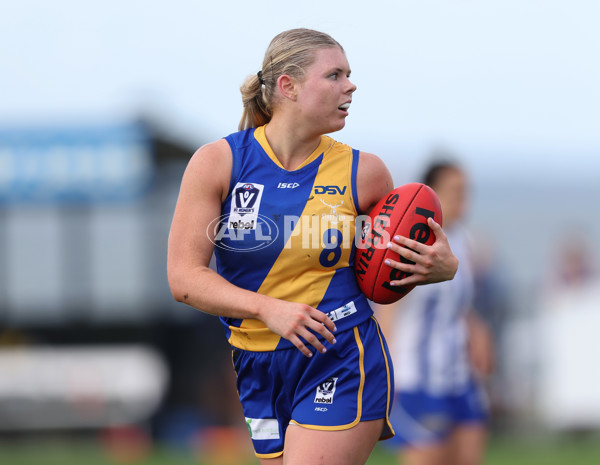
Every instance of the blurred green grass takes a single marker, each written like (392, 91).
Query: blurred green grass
(560, 450)
(525, 450)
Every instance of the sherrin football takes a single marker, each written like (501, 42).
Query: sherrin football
(402, 212)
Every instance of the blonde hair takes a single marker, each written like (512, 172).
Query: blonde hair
(290, 52)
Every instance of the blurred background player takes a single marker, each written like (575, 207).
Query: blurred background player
(441, 349)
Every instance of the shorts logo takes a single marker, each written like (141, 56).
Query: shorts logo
(325, 391)
(245, 205)
(263, 428)
(342, 312)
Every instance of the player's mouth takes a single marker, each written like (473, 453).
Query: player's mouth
(344, 107)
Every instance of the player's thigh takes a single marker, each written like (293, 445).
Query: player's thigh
(468, 443)
(430, 454)
(304, 446)
(273, 461)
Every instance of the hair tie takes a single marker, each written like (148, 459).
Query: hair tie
(260, 78)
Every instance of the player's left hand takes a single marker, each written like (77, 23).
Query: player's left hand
(426, 263)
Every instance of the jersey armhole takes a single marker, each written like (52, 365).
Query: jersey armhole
(235, 163)
(353, 176)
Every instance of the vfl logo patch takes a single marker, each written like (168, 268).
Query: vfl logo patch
(245, 205)
(325, 391)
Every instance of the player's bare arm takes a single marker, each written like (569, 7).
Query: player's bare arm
(204, 187)
(373, 181)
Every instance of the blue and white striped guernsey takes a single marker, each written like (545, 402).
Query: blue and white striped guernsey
(430, 334)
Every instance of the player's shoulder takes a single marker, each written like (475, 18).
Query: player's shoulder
(460, 235)
(371, 162)
(463, 241)
(210, 167)
(374, 180)
(335, 146)
(372, 169)
(210, 155)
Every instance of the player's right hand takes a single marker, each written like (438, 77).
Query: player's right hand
(297, 322)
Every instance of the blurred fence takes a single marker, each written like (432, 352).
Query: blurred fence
(90, 335)
(84, 215)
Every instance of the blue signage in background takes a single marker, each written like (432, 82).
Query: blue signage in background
(74, 165)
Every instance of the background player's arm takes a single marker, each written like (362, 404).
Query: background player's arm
(204, 187)
(481, 345)
(432, 263)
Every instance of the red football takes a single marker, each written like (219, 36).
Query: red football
(402, 212)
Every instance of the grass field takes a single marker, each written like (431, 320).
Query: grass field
(548, 451)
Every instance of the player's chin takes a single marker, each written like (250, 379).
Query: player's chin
(337, 125)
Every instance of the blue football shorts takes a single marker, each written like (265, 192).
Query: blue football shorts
(351, 382)
(421, 419)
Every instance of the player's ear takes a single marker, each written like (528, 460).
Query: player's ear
(287, 86)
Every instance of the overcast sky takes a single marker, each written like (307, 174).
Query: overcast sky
(511, 86)
(495, 80)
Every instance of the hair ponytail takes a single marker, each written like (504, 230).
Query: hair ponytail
(256, 108)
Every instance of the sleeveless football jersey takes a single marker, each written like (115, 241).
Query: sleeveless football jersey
(290, 234)
(430, 330)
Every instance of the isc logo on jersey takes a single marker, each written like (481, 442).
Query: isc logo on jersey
(245, 205)
(287, 185)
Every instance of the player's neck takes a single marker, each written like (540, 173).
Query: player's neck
(289, 144)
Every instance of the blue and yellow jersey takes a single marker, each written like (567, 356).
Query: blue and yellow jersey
(290, 234)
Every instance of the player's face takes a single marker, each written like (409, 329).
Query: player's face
(451, 189)
(326, 92)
